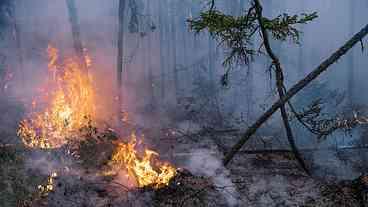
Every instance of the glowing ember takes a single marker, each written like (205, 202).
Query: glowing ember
(49, 186)
(68, 105)
(146, 170)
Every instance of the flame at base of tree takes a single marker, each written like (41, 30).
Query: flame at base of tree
(66, 105)
(146, 170)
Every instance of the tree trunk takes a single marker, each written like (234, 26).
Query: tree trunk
(162, 50)
(188, 77)
(151, 88)
(294, 90)
(301, 63)
(351, 68)
(18, 43)
(120, 57)
(280, 87)
(242, 6)
(74, 22)
(211, 65)
(174, 52)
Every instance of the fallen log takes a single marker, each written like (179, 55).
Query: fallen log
(294, 90)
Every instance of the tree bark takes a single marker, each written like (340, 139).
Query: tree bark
(294, 90)
(280, 87)
(120, 56)
(77, 43)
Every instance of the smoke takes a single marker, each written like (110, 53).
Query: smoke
(204, 162)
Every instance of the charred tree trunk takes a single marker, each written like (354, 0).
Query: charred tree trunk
(294, 90)
(77, 42)
(280, 86)
(120, 56)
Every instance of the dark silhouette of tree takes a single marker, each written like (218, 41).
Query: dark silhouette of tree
(76, 32)
(120, 55)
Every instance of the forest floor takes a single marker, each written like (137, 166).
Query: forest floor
(250, 180)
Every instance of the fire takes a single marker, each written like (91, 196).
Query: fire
(49, 186)
(65, 106)
(68, 105)
(146, 170)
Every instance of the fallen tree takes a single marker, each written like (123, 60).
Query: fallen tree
(294, 90)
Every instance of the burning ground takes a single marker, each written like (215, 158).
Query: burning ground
(87, 175)
(62, 122)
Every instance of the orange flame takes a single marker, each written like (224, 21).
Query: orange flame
(67, 104)
(70, 105)
(143, 169)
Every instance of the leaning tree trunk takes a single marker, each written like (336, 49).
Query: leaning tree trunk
(294, 90)
(120, 57)
(77, 42)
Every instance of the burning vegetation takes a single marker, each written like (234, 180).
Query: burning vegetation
(146, 170)
(66, 105)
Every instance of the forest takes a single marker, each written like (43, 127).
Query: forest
(183, 103)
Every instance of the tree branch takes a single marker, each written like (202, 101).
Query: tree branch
(295, 89)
